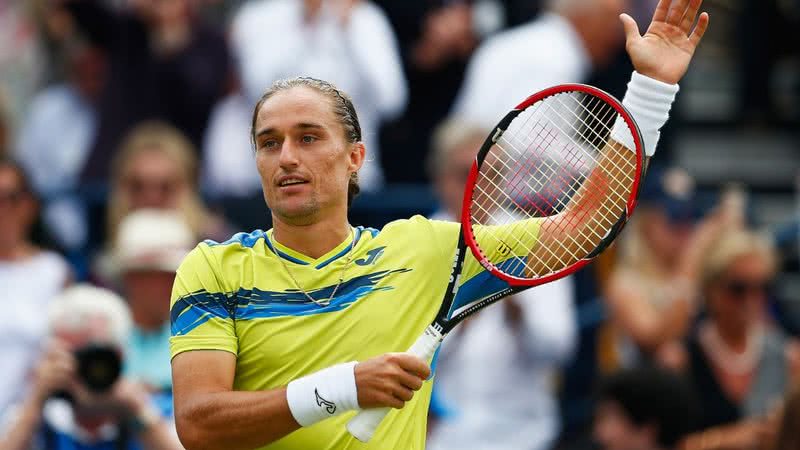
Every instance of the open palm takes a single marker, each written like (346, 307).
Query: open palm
(666, 49)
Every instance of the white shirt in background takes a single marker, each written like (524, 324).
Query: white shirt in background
(271, 41)
(498, 381)
(26, 289)
(519, 62)
(53, 145)
(229, 163)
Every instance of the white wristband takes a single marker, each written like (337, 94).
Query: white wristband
(649, 101)
(323, 394)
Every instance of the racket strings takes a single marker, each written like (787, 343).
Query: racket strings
(552, 186)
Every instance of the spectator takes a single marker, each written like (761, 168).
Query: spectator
(562, 45)
(157, 167)
(66, 409)
(164, 63)
(437, 39)
(150, 245)
(227, 150)
(740, 363)
(349, 43)
(66, 110)
(533, 333)
(644, 409)
(652, 291)
(29, 276)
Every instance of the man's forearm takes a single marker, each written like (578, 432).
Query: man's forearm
(235, 420)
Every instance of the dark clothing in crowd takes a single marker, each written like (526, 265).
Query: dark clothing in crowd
(769, 383)
(180, 88)
(431, 93)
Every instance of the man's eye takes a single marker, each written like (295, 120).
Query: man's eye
(269, 144)
(308, 139)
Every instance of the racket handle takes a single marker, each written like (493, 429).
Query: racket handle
(364, 424)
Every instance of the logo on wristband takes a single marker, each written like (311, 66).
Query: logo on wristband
(330, 407)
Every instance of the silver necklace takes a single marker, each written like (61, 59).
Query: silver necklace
(341, 274)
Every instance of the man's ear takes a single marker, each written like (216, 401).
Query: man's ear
(357, 154)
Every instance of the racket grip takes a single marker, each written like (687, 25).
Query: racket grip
(364, 424)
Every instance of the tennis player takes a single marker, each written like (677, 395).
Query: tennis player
(278, 337)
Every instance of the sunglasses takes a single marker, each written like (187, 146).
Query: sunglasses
(744, 288)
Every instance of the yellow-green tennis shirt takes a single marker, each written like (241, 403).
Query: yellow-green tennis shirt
(237, 296)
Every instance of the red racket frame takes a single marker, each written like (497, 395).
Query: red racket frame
(466, 224)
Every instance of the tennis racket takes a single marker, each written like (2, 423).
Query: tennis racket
(550, 189)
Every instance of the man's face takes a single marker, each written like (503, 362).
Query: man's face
(614, 430)
(302, 155)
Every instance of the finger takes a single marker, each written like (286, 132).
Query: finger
(630, 26)
(403, 394)
(392, 402)
(676, 12)
(410, 380)
(660, 15)
(699, 29)
(690, 16)
(411, 363)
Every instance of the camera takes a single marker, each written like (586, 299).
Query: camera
(99, 366)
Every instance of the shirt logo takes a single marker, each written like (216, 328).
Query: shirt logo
(330, 407)
(372, 255)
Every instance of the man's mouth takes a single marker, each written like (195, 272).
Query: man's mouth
(290, 181)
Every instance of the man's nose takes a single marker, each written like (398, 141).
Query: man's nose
(289, 155)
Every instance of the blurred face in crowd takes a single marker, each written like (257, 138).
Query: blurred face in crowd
(453, 174)
(17, 209)
(737, 298)
(148, 293)
(154, 180)
(302, 155)
(88, 71)
(599, 25)
(667, 237)
(94, 331)
(614, 430)
(162, 12)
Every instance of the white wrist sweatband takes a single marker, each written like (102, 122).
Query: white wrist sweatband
(323, 394)
(649, 101)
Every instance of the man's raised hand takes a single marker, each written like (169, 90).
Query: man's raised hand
(667, 48)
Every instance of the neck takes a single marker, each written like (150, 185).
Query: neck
(10, 252)
(145, 320)
(313, 239)
(90, 423)
(734, 337)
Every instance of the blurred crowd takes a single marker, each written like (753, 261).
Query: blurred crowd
(124, 140)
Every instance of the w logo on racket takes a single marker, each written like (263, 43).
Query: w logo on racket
(503, 249)
(330, 407)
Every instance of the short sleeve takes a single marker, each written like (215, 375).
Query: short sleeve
(512, 241)
(201, 308)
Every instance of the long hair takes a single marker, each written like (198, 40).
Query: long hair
(342, 106)
(170, 142)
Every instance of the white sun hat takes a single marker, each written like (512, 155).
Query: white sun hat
(152, 239)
